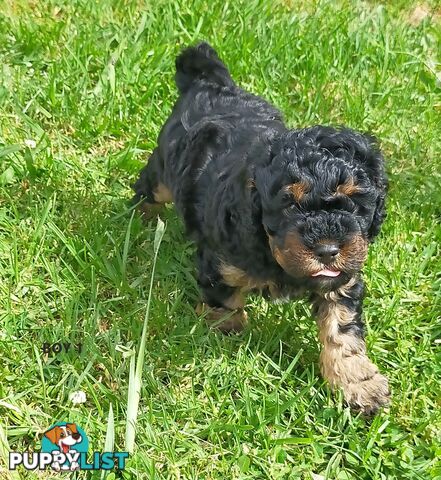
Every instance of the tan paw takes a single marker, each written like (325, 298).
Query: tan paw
(369, 395)
(150, 211)
(222, 319)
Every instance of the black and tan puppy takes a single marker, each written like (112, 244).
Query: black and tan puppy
(284, 212)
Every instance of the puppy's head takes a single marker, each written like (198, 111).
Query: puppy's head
(64, 436)
(322, 198)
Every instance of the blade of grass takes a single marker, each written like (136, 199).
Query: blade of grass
(4, 456)
(41, 372)
(135, 375)
(110, 435)
(126, 250)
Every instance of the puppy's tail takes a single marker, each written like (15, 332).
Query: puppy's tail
(200, 63)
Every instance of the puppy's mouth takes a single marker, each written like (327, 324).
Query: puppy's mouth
(65, 447)
(326, 272)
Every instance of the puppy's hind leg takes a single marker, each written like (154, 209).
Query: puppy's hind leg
(223, 308)
(150, 188)
(222, 304)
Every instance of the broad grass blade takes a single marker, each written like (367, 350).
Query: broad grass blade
(135, 374)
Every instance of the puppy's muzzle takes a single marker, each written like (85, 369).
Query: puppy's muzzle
(325, 259)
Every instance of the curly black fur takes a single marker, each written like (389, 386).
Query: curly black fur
(225, 154)
(230, 164)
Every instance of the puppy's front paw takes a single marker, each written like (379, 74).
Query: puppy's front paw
(368, 395)
(224, 320)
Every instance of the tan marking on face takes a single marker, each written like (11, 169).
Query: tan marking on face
(298, 260)
(294, 257)
(348, 188)
(352, 254)
(344, 362)
(162, 194)
(298, 190)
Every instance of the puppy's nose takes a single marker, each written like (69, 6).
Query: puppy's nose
(326, 252)
(76, 436)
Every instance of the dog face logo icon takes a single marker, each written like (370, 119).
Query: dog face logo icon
(68, 439)
(64, 437)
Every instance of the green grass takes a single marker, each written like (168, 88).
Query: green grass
(91, 83)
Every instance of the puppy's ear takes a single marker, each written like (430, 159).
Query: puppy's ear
(379, 214)
(53, 435)
(72, 427)
(363, 151)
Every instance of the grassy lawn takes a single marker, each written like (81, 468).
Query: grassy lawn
(85, 87)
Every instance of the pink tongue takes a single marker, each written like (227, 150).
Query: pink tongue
(327, 273)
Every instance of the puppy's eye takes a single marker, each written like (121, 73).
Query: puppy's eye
(287, 197)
